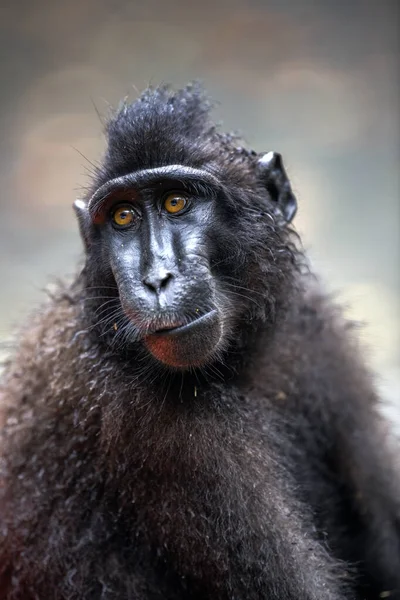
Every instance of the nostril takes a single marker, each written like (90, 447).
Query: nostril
(164, 282)
(157, 282)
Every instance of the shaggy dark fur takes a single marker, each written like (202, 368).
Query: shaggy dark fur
(264, 474)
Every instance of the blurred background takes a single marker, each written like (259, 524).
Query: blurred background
(315, 80)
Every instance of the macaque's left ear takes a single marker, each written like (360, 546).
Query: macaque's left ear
(273, 174)
(84, 221)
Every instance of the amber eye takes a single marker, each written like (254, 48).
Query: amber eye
(123, 216)
(174, 203)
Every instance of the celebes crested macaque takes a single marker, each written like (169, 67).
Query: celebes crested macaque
(190, 419)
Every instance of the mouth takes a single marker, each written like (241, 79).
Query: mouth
(179, 329)
(186, 345)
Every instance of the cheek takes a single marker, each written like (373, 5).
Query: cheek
(124, 260)
(125, 268)
(194, 253)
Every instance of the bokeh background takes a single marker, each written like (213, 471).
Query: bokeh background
(317, 80)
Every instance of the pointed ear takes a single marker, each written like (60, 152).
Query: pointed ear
(273, 174)
(84, 221)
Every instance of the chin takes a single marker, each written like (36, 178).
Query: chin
(190, 345)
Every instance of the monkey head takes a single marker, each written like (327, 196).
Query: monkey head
(185, 232)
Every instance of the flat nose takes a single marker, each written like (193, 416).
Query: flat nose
(157, 281)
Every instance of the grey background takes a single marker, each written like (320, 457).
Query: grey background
(317, 81)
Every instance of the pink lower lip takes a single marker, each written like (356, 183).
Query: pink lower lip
(186, 345)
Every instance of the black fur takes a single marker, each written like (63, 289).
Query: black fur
(264, 473)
